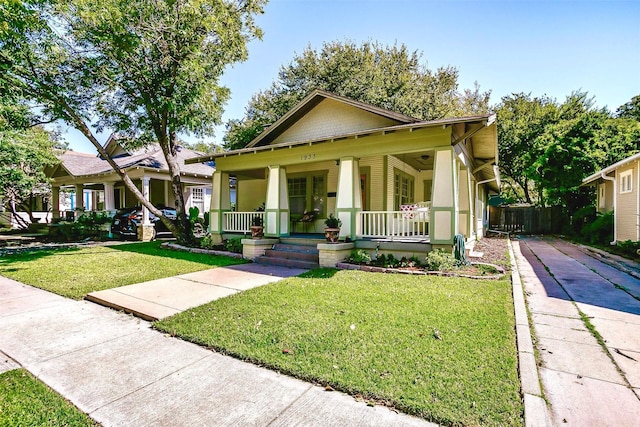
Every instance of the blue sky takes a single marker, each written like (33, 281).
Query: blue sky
(542, 47)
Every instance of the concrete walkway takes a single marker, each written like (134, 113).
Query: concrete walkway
(157, 299)
(586, 383)
(121, 372)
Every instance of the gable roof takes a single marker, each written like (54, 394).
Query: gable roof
(82, 164)
(311, 101)
(610, 169)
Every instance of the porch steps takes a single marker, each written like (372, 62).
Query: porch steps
(298, 255)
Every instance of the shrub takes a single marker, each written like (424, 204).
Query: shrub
(582, 218)
(206, 242)
(630, 248)
(414, 261)
(440, 260)
(600, 230)
(233, 245)
(359, 256)
(387, 261)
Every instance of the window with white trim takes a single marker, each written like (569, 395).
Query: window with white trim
(626, 182)
(601, 196)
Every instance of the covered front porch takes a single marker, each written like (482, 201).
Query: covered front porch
(388, 178)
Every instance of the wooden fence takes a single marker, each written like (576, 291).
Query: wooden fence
(526, 219)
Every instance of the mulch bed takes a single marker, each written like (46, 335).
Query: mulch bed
(494, 255)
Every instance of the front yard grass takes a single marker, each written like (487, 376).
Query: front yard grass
(25, 401)
(441, 348)
(74, 273)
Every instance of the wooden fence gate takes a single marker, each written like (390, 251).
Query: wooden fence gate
(526, 219)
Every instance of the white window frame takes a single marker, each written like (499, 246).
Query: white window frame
(197, 194)
(626, 182)
(601, 195)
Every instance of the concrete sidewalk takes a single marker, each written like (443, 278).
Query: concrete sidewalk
(585, 383)
(123, 373)
(157, 299)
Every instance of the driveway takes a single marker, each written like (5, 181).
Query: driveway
(586, 321)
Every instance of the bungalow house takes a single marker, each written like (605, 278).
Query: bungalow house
(397, 184)
(618, 190)
(101, 188)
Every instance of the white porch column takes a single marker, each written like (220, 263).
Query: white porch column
(220, 203)
(145, 194)
(109, 197)
(465, 214)
(55, 201)
(276, 222)
(444, 203)
(348, 197)
(79, 188)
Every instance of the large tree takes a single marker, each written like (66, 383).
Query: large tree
(25, 150)
(147, 69)
(390, 77)
(631, 109)
(547, 148)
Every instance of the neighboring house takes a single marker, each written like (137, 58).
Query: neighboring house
(103, 190)
(618, 190)
(387, 176)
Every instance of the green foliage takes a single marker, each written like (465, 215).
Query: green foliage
(581, 218)
(630, 248)
(194, 214)
(146, 69)
(467, 375)
(25, 152)
(233, 245)
(440, 260)
(73, 273)
(332, 222)
(599, 231)
(25, 401)
(390, 77)
(547, 148)
(631, 109)
(359, 256)
(256, 221)
(207, 242)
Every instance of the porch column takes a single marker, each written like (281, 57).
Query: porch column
(55, 201)
(276, 218)
(145, 194)
(220, 203)
(348, 197)
(444, 203)
(79, 208)
(465, 217)
(109, 197)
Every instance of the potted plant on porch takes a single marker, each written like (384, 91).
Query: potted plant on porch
(257, 228)
(332, 229)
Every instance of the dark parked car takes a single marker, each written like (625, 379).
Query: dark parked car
(125, 222)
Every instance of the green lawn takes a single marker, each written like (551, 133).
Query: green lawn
(25, 401)
(74, 273)
(438, 347)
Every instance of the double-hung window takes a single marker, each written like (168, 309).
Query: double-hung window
(626, 182)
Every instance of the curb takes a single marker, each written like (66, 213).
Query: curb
(606, 257)
(536, 412)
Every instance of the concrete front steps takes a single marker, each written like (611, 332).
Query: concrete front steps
(298, 253)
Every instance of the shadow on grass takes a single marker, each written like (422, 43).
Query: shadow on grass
(154, 249)
(319, 273)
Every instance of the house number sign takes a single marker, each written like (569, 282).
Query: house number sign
(311, 156)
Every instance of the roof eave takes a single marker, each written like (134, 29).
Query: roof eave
(487, 119)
